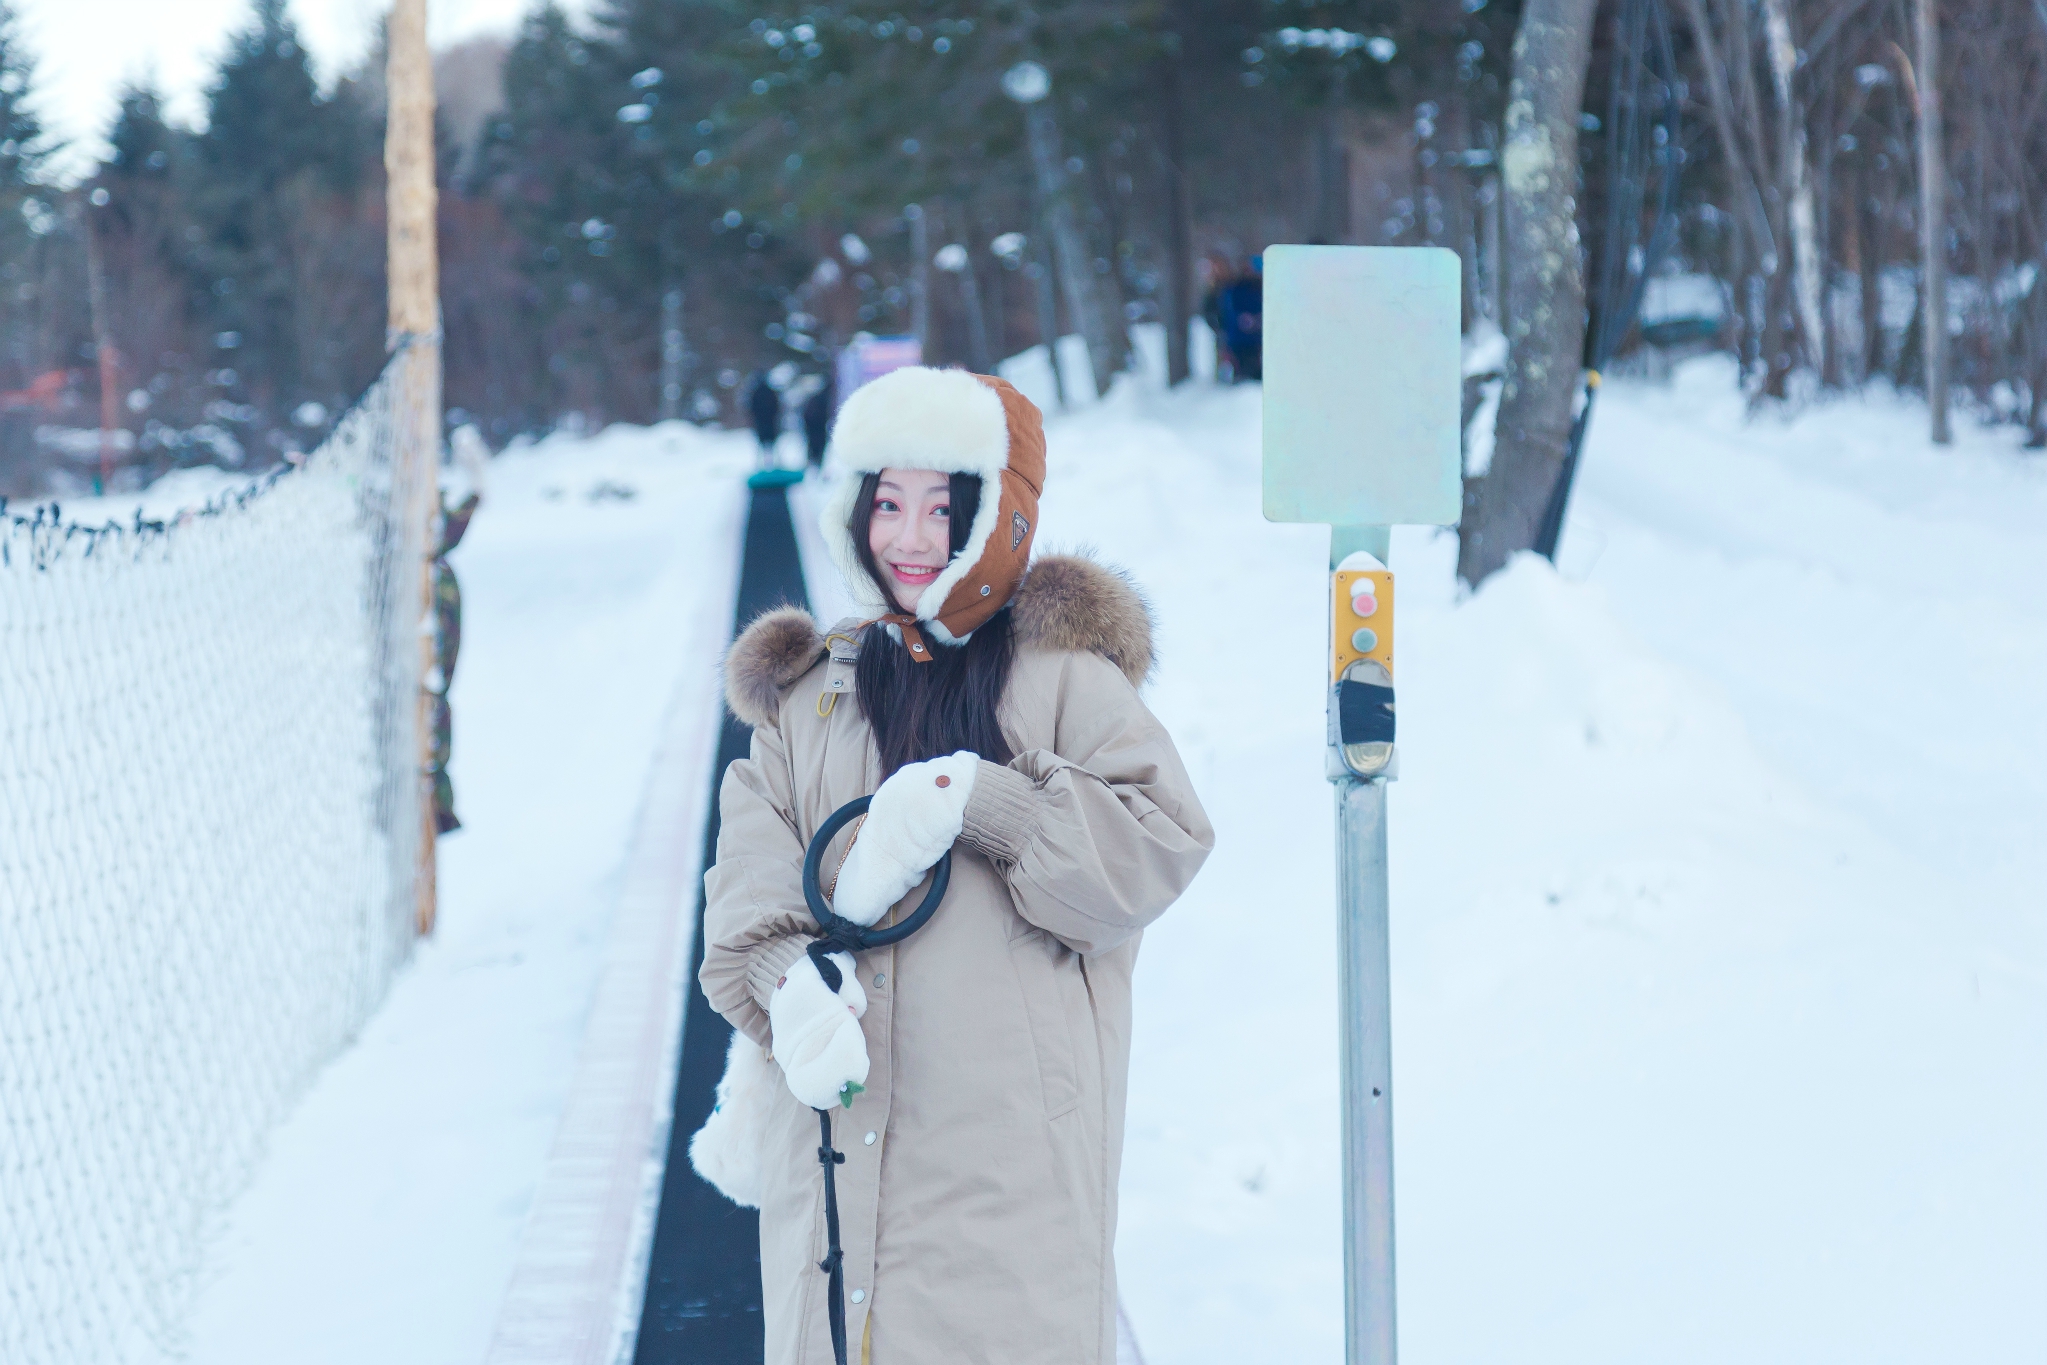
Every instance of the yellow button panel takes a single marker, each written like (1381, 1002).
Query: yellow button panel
(1361, 624)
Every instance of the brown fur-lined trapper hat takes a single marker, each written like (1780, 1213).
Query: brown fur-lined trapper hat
(955, 423)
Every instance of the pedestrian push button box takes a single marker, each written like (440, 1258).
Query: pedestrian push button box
(1361, 648)
(1362, 628)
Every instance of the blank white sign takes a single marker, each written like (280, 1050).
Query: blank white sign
(1362, 377)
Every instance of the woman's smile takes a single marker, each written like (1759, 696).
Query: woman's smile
(915, 575)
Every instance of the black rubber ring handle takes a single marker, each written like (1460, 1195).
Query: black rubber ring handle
(820, 908)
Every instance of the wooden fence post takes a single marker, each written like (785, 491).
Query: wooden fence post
(415, 333)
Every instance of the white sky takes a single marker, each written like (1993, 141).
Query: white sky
(85, 49)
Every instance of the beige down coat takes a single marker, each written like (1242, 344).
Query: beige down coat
(978, 1197)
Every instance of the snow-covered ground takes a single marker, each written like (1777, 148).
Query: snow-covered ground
(1720, 904)
(384, 1223)
(1719, 901)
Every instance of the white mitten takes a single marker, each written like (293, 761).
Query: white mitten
(914, 819)
(816, 1032)
(727, 1150)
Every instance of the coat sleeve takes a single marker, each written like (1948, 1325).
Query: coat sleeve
(1097, 836)
(755, 920)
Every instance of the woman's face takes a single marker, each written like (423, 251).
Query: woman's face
(911, 531)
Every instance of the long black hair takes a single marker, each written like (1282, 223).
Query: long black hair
(919, 711)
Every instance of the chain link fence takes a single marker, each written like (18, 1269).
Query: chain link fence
(210, 817)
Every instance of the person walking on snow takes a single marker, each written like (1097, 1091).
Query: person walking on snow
(817, 420)
(975, 1072)
(764, 405)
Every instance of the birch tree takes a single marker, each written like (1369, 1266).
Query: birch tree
(1545, 285)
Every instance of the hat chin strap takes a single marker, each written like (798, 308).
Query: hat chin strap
(913, 638)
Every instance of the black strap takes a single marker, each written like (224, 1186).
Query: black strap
(820, 951)
(843, 936)
(834, 1263)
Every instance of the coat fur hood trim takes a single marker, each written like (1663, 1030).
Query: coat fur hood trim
(1068, 603)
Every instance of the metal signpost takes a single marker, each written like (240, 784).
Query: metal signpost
(1362, 375)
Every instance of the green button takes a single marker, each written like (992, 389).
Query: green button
(1364, 640)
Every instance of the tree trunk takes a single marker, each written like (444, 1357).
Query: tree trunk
(1752, 245)
(1868, 243)
(1330, 164)
(2036, 420)
(1179, 217)
(1086, 294)
(920, 280)
(1932, 214)
(978, 354)
(1545, 285)
(1795, 180)
(103, 347)
(671, 353)
(1045, 291)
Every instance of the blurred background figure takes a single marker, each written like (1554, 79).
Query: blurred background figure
(817, 421)
(764, 405)
(1240, 316)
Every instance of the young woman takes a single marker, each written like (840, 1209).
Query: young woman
(975, 1071)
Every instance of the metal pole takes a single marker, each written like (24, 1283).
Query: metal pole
(1367, 1062)
(415, 324)
(1365, 1028)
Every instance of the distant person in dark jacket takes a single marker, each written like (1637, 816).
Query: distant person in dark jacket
(1216, 276)
(817, 421)
(766, 407)
(1242, 305)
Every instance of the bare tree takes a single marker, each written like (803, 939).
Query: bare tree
(1545, 285)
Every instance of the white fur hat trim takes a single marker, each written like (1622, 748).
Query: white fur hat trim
(915, 418)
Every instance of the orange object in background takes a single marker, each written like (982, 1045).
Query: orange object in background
(45, 391)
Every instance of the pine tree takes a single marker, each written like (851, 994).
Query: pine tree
(586, 177)
(144, 145)
(156, 294)
(688, 222)
(24, 149)
(35, 251)
(281, 188)
(546, 159)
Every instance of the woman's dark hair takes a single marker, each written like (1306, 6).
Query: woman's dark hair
(919, 711)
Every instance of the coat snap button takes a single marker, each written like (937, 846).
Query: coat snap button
(869, 1139)
(985, 590)
(860, 1296)
(880, 978)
